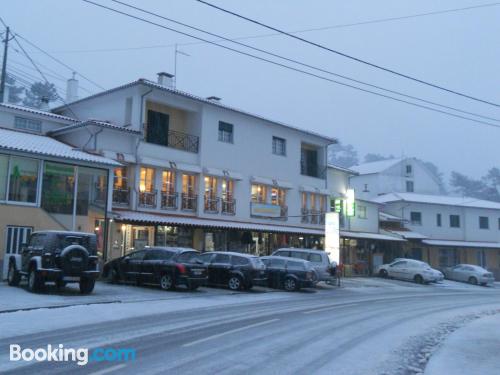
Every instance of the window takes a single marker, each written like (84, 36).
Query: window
(58, 190)
(23, 180)
(137, 255)
(315, 258)
(322, 203)
(299, 255)
(189, 257)
(28, 124)
(409, 169)
(168, 182)
(438, 220)
(15, 237)
(147, 180)
(278, 196)
(157, 128)
(279, 146)
(409, 186)
(362, 212)
(4, 168)
(312, 198)
(484, 222)
(282, 253)
(221, 258)
(225, 132)
(259, 193)
(447, 258)
(120, 179)
(189, 184)
(227, 189)
(210, 196)
(454, 221)
(239, 261)
(416, 218)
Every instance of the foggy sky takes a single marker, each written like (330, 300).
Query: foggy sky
(458, 50)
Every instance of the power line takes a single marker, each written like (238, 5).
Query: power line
(303, 64)
(337, 26)
(357, 59)
(292, 68)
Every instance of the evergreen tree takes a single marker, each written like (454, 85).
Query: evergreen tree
(37, 92)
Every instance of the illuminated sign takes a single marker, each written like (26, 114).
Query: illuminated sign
(350, 203)
(332, 236)
(265, 210)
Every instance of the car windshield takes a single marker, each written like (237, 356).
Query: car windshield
(189, 257)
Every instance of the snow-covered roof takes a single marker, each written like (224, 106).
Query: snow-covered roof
(492, 245)
(370, 236)
(437, 199)
(376, 166)
(42, 145)
(101, 124)
(343, 169)
(142, 217)
(37, 112)
(409, 235)
(151, 84)
(387, 217)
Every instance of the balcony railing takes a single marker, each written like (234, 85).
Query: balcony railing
(211, 204)
(229, 206)
(147, 199)
(314, 216)
(312, 170)
(121, 197)
(283, 213)
(322, 217)
(168, 201)
(305, 215)
(189, 202)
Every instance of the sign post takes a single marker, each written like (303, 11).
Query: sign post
(332, 236)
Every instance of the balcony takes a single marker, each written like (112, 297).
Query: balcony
(305, 215)
(322, 217)
(189, 202)
(147, 199)
(228, 206)
(211, 205)
(121, 197)
(168, 201)
(183, 141)
(100, 194)
(312, 170)
(314, 216)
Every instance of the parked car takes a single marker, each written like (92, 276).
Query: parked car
(56, 256)
(237, 271)
(318, 258)
(410, 269)
(164, 266)
(289, 274)
(469, 273)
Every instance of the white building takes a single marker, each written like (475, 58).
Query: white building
(202, 174)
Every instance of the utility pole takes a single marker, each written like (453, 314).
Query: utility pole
(4, 65)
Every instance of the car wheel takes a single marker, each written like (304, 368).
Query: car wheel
(167, 282)
(472, 280)
(35, 282)
(193, 287)
(86, 285)
(60, 284)
(290, 284)
(234, 283)
(383, 273)
(113, 276)
(484, 284)
(13, 276)
(418, 279)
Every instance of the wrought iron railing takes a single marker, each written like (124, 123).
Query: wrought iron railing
(322, 217)
(147, 199)
(121, 197)
(312, 170)
(168, 200)
(305, 215)
(211, 204)
(229, 206)
(314, 216)
(189, 202)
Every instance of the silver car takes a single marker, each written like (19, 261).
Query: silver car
(470, 274)
(318, 258)
(410, 269)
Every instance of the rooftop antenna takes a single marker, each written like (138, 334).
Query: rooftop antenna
(177, 52)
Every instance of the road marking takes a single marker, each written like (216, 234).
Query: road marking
(109, 369)
(229, 332)
(330, 308)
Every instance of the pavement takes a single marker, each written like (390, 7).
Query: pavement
(367, 326)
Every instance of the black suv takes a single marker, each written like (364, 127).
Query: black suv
(235, 270)
(290, 274)
(59, 256)
(166, 266)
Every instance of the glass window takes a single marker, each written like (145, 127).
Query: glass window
(416, 218)
(147, 180)
(315, 258)
(362, 212)
(221, 258)
(23, 180)
(279, 146)
(312, 197)
(225, 132)
(189, 257)
(291, 265)
(409, 186)
(210, 187)
(278, 196)
(58, 192)
(137, 255)
(206, 257)
(299, 255)
(120, 179)
(399, 264)
(227, 189)
(322, 202)
(438, 220)
(454, 221)
(4, 167)
(259, 193)
(239, 261)
(28, 124)
(188, 184)
(408, 169)
(168, 182)
(484, 222)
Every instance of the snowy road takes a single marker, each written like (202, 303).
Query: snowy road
(353, 330)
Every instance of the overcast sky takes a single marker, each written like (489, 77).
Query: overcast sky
(458, 50)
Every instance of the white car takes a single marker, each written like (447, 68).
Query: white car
(410, 269)
(470, 273)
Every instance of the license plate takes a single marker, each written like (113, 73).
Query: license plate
(197, 272)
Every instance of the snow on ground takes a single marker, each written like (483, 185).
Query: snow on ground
(473, 349)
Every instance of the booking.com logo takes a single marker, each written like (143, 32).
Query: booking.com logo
(81, 356)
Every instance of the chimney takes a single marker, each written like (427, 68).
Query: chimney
(72, 89)
(166, 80)
(215, 99)
(44, 104)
